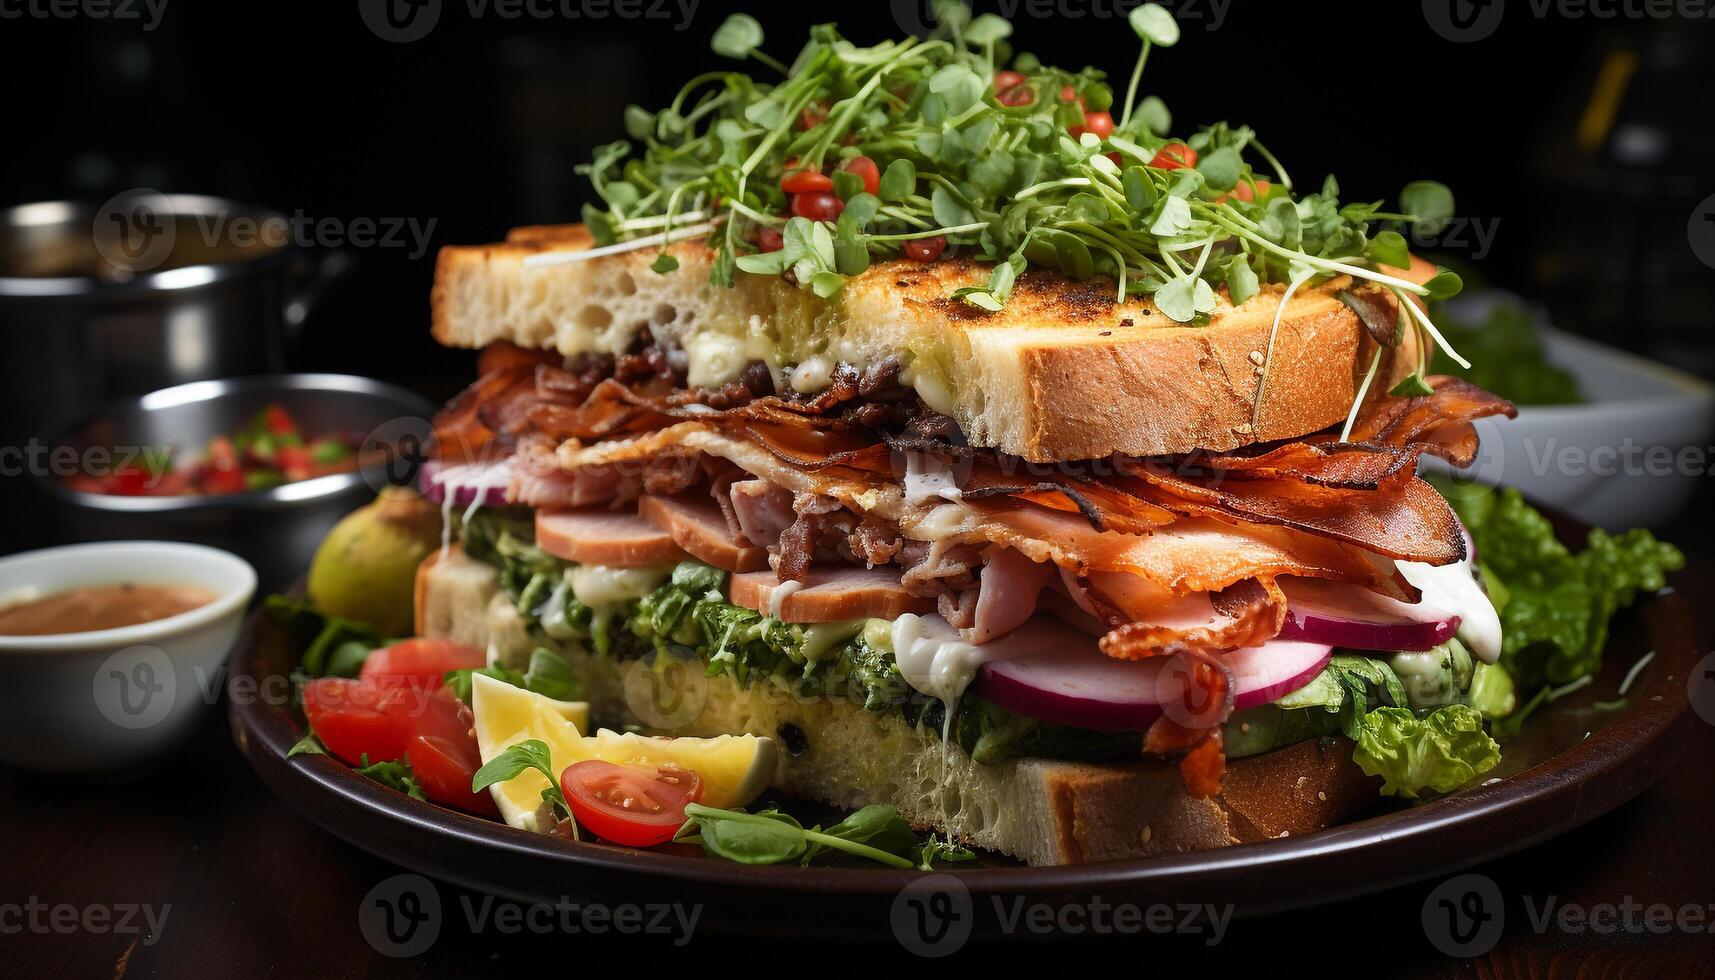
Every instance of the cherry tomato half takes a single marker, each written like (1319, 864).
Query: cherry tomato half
(925, 249)
(813, 116)
(419, 663)
(770, 239)
(630, 805)
(865, 168)
(1010, 89)
(295, 462)
(1244, 192)
(430, 729)
(1174, 156)
(817, 206)
(804, 180)
(444, 767)
(223, 479)
(277, 420)
(1100, 123)
(354, 718)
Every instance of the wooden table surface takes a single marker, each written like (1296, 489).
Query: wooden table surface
(242, 886)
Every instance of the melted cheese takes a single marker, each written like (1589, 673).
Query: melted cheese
(1454, 588)
(602, 588)
(813, 375)
(936, 660)
(551, 614)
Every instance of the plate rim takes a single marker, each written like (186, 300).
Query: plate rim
(1618, 761)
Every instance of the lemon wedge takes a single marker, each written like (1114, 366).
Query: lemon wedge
(735, 769)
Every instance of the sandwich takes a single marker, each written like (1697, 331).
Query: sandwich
(936, 414)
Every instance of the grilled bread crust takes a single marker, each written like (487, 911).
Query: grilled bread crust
(1041, 811)
(1063, 372)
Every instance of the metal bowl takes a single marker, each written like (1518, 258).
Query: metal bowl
(145, 291)
(276, 529)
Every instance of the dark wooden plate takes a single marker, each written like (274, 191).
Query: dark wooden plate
(1574, 761)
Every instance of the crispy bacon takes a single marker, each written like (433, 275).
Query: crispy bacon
(1170, 556)
(1192, 725)
(1245, 614)
(1438, 424)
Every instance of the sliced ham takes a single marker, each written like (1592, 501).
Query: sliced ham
(1007, 594)
(696, 524)
(605, 537)
(764, 511)
(829, 594)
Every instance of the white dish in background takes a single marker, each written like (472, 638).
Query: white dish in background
(1632, 454)
(107, 699)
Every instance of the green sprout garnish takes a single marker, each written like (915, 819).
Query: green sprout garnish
(1050, 172)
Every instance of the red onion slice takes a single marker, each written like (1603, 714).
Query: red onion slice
(1358, 619)
(1075, 684)
(469, 483)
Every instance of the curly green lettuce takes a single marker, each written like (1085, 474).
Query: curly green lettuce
(1554, 605)
(1442, 750)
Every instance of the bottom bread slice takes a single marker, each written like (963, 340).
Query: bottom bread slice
(1041, 811)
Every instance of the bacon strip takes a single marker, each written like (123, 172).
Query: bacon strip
(1438, 424)
(1248, 613)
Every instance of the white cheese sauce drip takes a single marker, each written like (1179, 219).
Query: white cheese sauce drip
(476, 477)
(778, 595)
(1454, 588)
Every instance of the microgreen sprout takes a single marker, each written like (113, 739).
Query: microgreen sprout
(1037, 173)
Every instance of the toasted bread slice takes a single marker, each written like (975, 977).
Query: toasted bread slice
(1038, 810)
(1063, 372)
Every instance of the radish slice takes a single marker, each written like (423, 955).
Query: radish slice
(1358, 619)
(469, 483)
(1075, 684)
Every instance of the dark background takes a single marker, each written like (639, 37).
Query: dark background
(300, 107)
(478, 126)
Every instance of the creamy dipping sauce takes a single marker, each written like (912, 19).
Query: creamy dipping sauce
(99, 607)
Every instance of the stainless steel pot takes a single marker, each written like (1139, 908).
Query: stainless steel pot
(145, 291)
(276, 530)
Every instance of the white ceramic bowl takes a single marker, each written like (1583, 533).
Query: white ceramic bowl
(102, 700)
(1632, 454)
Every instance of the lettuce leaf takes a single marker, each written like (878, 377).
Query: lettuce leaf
(1442, 750)
(1554, 605)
